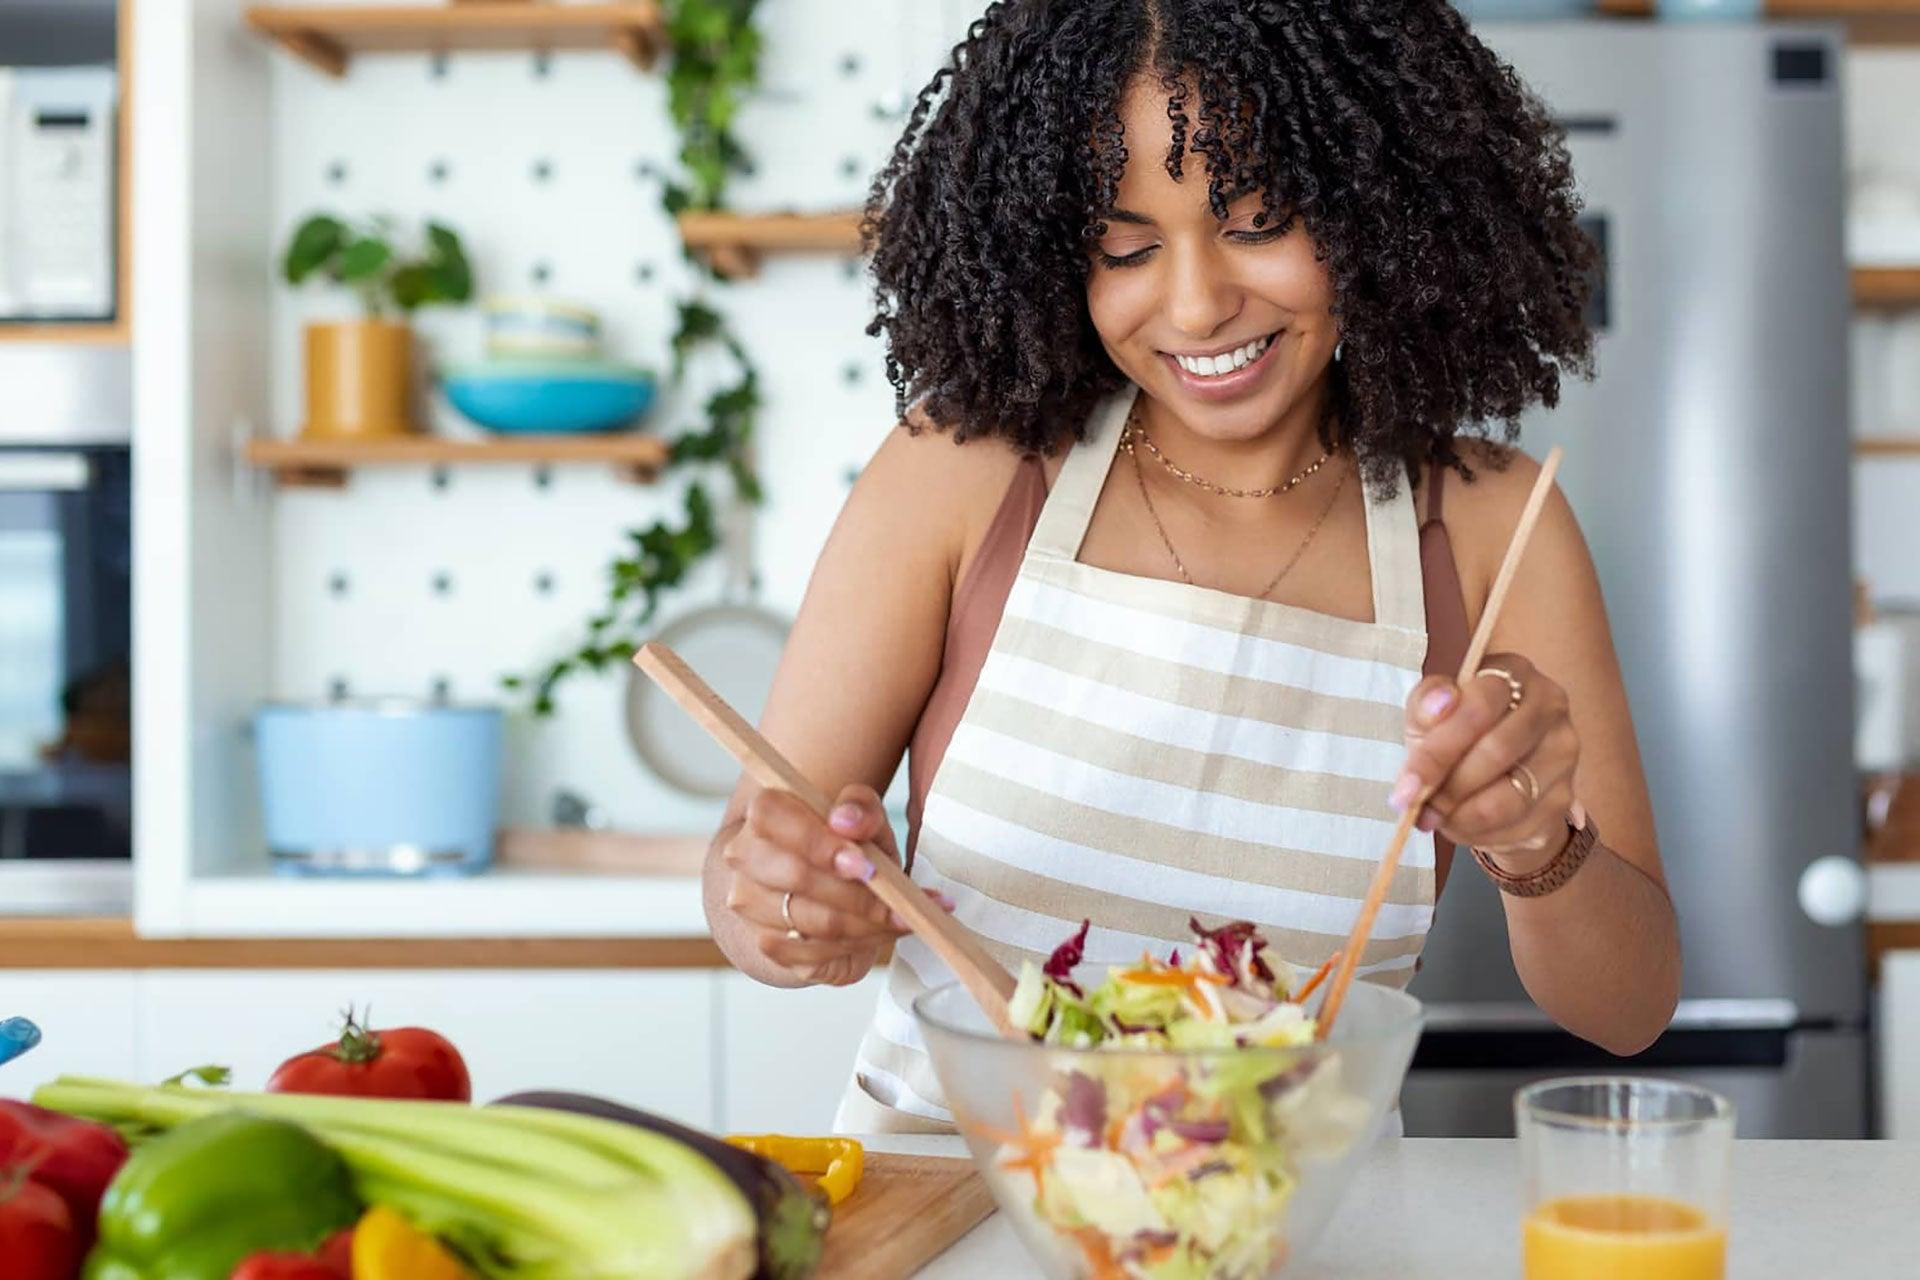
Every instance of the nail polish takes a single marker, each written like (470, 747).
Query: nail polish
(1437, 703)
(852, 865)
(845, 817)
(1405, 787)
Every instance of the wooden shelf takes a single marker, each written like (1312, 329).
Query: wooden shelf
(1886, 288)
(327, 463)
(1867, 21)
(90, 333)
(327, 36)
(733, 243)
(1887, 446)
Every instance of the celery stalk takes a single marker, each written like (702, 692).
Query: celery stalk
(526, 1195)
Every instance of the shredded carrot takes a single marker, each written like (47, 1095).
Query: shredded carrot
(1099, 1255)
(1319, 976)
(1174, 977)
(1035, 1149)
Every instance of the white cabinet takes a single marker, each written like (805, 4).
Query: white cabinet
(712, 1048)
(641, 1038)
(88, 1021)
(785, 1056)
(1899, 1026)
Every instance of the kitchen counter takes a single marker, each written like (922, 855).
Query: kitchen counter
(110, 942)
(1427, 1208)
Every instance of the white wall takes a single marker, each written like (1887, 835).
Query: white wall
(353, 597)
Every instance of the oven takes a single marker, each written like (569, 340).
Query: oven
(66, 794)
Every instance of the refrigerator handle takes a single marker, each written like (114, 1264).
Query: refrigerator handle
(1833, 890)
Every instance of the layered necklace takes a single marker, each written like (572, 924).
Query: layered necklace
(1133, 439)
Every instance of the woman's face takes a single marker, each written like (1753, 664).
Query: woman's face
(1226, 324)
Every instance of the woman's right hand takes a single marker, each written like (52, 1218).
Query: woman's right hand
(782, 848)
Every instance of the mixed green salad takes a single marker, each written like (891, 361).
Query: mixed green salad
(1170, 1167)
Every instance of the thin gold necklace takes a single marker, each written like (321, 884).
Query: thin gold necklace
(1140, 476)
(1133, 432)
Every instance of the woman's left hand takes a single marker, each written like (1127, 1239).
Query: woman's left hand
(1503, 774)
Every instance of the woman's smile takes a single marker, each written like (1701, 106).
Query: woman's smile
(1224, 373)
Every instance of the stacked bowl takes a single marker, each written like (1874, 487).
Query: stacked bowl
(544, 374)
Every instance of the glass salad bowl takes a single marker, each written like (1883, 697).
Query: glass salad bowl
(1122, 1163)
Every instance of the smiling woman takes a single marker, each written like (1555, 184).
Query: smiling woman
(1435, 192)
(1206, 292)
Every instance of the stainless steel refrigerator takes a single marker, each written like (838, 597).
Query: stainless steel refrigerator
(1708, 463)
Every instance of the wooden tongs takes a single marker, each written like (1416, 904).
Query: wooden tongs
(986, 978)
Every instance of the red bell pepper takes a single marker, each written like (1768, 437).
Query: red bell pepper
(75, 1159)
(332, 1261)
(37, 1236)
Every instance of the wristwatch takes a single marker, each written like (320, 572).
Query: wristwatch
(1582, 836)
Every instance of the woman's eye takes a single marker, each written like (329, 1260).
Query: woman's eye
(1270, 231)
(1118, 256)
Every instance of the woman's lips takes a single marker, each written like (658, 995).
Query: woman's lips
(1225, 386)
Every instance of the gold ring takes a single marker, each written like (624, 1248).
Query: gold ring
(786, 913)
(1525, 783)
(1516, 692)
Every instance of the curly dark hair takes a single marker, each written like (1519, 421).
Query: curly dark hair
(1435, 186)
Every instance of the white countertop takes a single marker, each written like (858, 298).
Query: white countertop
(1428, 1208)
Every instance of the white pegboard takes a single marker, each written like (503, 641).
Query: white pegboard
(550, 169)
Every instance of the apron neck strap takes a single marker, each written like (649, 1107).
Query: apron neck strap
(1393, 555)
(1076, 490)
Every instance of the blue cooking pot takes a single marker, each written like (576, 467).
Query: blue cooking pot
(383, 787)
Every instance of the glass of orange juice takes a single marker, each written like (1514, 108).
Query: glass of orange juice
(1625, 1179)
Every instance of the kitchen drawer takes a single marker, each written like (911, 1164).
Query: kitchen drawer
(88, 1018)
(786, 1055)
(640, 1038)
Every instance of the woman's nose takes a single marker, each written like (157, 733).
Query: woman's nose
(1203, 296)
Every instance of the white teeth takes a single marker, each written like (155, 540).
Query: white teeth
(1226, 361)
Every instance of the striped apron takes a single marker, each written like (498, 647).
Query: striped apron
(1137, 752)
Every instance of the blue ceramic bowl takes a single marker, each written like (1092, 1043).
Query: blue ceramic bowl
(549, 397)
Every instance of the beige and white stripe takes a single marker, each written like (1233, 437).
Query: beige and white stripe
(1138, 752)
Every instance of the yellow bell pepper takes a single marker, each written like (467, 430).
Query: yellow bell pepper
(837, 1161)
(388, 1247)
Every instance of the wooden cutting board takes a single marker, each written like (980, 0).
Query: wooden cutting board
(904, 1214)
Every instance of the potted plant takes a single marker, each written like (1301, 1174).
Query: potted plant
(360, 372)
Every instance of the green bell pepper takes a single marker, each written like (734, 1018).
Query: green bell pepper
(190, 1204)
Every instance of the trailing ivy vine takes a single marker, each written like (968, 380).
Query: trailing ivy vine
(715, 65)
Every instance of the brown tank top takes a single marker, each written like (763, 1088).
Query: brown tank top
(982, 594)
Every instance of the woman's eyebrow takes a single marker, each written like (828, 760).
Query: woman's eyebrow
(1129, 216)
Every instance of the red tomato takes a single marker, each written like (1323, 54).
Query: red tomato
(405, 1062)
(37, 1239)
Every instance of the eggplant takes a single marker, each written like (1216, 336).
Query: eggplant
(792, 1217)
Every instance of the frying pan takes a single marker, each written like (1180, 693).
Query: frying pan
(736, 644)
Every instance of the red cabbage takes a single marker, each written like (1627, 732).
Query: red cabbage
(1083, 1106)
(1201, 1130)
(1227, 944)
(1287, 1080)
(1066, 956)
